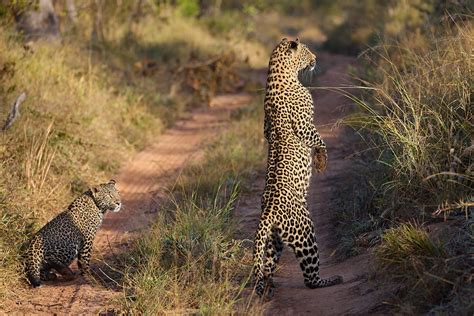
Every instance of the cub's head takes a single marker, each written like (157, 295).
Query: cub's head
(294, 55)
(107, 197)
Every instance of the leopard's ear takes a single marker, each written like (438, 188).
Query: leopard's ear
(94, 190)
(284, 39)
(112, 181)
(293, 44)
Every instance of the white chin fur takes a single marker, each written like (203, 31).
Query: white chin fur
(117, 208)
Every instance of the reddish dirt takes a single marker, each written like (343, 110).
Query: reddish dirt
(140, 182)
(356, 296)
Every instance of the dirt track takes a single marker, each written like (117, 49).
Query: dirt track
(356, 295)
(140, 183)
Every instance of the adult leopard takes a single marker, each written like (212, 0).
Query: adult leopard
(291, 136)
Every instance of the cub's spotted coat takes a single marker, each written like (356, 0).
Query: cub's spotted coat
(291, 136)
(70, 235)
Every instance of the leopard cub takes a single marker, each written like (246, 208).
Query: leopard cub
(70, 235)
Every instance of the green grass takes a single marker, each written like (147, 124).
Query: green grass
(191, 262)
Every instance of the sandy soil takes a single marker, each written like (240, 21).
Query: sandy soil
(356, 296)
(140, 182)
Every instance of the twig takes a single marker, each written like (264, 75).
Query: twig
(15, 111)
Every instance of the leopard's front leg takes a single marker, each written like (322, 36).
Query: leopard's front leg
(84, 257)
(303, 125)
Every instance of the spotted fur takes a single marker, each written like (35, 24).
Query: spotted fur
(292, 137)
(70, 235)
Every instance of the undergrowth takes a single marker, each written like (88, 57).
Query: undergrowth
(420, 111)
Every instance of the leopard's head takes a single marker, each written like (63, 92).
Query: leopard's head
(106, 197)
(293, 55)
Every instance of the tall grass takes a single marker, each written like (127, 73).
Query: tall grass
(421, 112)
(191, 261)
(70, 134)
(417, 114)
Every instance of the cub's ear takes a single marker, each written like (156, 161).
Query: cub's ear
(284, 39)
(112, 181)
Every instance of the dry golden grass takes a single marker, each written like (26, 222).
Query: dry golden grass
(70, 134)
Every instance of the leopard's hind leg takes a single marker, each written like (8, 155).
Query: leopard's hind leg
(301, 238)
(47, 275)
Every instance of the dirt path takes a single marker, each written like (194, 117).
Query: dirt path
(356, 295)
(140, 183)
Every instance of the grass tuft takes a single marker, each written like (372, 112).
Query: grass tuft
(433, 274)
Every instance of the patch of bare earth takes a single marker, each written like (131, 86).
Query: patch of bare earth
(141, 182)
(356, 295)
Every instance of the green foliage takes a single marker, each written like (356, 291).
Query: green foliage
(9, 9)
(402, 244)
(361, 24)
(189, 8)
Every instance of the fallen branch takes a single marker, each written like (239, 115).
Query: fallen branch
(15, 111)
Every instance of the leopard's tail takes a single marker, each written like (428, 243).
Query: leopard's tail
(34, 259)
(320, 282)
